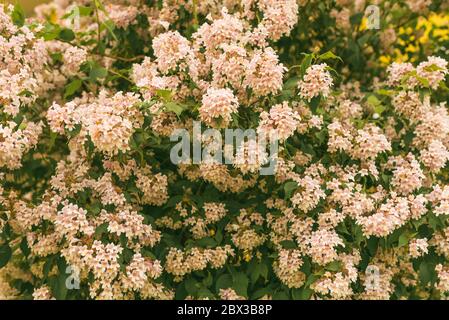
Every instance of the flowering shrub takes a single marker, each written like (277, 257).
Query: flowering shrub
(92, 207)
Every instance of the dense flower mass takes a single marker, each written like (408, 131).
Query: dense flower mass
(217, 107)
(355, 205)
(317, 80)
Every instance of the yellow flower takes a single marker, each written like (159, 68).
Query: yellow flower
(363, 24)
(385, 60)
(411, 48)
(247, 256)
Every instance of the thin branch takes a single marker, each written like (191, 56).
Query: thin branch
(120, 75)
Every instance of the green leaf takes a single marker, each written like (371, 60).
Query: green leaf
(205, 293)
(18, 15)
(240, 284)
(386, 179)
(5, 255)
(424, 82)
(207, 282)
(174, 107)
(48, 265)
(260, 293)
(58, 286)
(289, 244)
(334, 266)
(443, 86)
(372, 244)
(306, 266)
(24, 247)
(303, 293)
(100, 230)
(97, 72)
(281, 295)
(403, 239)
(72, 87)
(372, 100)
(358, 234)
(255, 274)
(306, 294)
(314, 103)
(50, 32)
(432, 68)
(289, 187)
(329, 55)
(223, 282)
(78, 11)
(173, 201)
(385, 92)
(207, 242)
(305, 64)
(110, 27)
(166, 95)
(321, 135)
(56, 57)
(219, 236)
(66, 35)
(364, 39)
(291, 84)
(85, 11)
(426, 272)
(263, 270)
(311, 279)
(379, 109)
(356, 19)
(99, 5)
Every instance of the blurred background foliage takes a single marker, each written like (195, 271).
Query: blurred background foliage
(27, 5)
